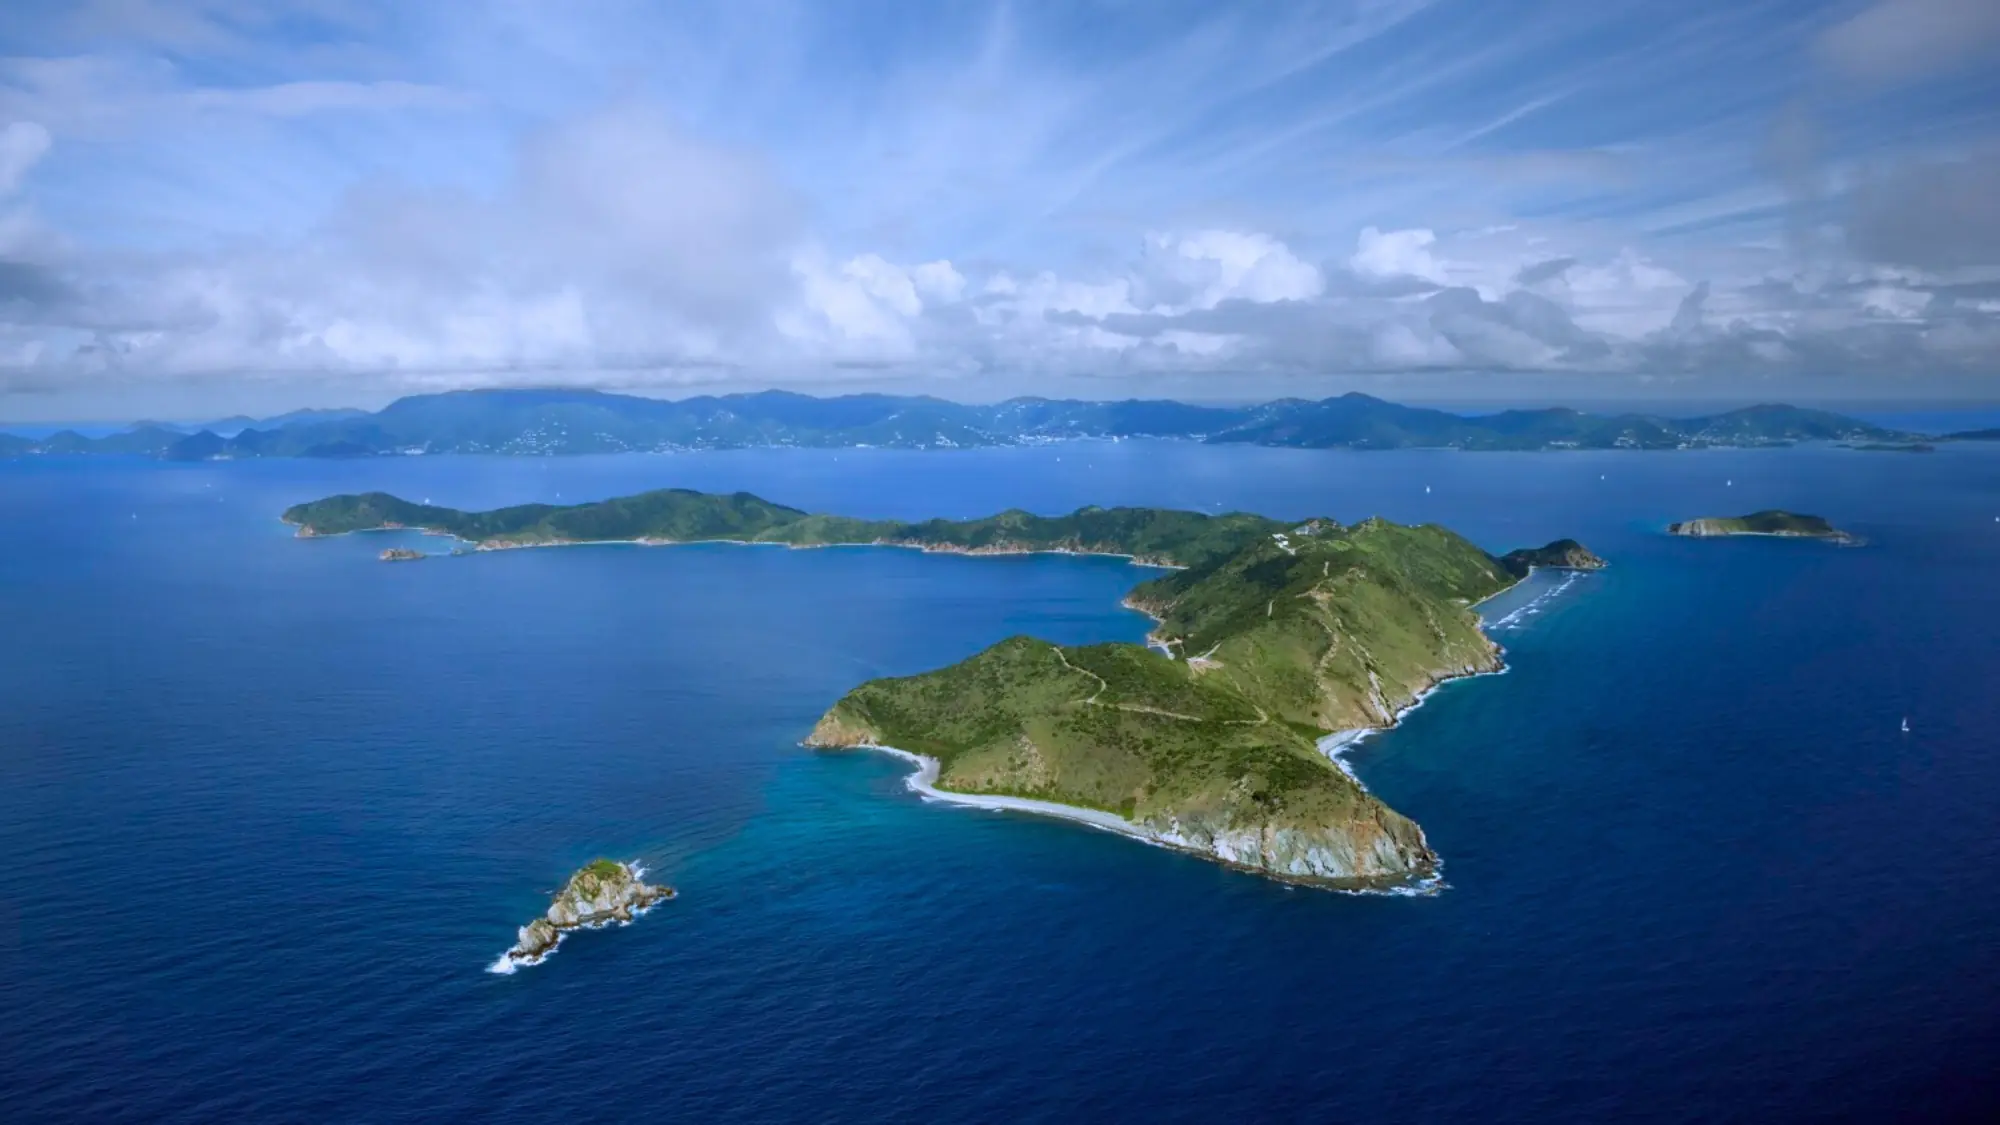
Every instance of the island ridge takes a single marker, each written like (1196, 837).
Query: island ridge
(556, 421)
(1771, 521)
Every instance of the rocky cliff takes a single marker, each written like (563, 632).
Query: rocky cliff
(1322, 829)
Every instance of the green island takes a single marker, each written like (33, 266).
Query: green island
(678, 515)
(1275, 644)
(602, 892)
(1771, 521)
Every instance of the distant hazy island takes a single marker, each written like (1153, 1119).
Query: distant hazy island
(552, 422)
(1277, 642)
(603, 892)
(1771, 521)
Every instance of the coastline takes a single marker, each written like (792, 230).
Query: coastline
(1337, 745)
(922, 783)
(1838, 538)
(1154, 641)
(479, 545)
(1334, 746)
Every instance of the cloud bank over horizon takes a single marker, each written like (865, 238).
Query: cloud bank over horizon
(203, 196)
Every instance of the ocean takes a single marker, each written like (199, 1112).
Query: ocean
(270, 810)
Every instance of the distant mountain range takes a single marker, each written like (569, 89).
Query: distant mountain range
(551, 422)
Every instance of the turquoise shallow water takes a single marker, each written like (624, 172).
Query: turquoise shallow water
(271, 809)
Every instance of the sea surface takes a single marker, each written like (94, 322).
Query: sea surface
(269, 809)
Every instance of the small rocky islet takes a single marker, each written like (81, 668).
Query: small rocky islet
(401, 554)
(602, 892)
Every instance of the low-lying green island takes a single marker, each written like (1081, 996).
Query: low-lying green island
(678, 515)
(603, 891)
(1771, 521)
(1273, 639)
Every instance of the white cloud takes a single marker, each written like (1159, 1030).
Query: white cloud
(1627, 295)
(865, 308)
(22, 145)
(286, 186)
(1903, 304)
(1224, 265)
(1397, 253)
(938, 281)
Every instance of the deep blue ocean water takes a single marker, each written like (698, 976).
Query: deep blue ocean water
(270, 808)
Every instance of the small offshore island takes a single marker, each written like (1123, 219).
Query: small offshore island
(401, 554)
(603, 892)
(1771, 521)
(1276, 644)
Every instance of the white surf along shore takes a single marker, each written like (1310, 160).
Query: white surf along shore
(924, 784)
(1337, 745)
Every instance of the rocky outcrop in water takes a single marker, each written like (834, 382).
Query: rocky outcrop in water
(603, 892)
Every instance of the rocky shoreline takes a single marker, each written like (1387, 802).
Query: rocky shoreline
(1383, 853)
(604, 892)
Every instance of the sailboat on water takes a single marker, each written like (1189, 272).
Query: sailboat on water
(1906, 724)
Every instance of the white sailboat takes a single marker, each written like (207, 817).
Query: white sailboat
(1906, 724)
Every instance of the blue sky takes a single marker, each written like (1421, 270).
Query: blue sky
(216, 202)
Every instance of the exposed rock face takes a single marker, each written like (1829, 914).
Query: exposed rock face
(602, 893)
(1700, 529)
(401, 554)
(835, 731)
(1385, 850)
(1378, 848)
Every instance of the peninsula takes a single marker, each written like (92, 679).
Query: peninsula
(1771, 521)
(604, 891)
(1272, 637)
(1295, 639)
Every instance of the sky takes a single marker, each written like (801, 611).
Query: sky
(220, 205)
